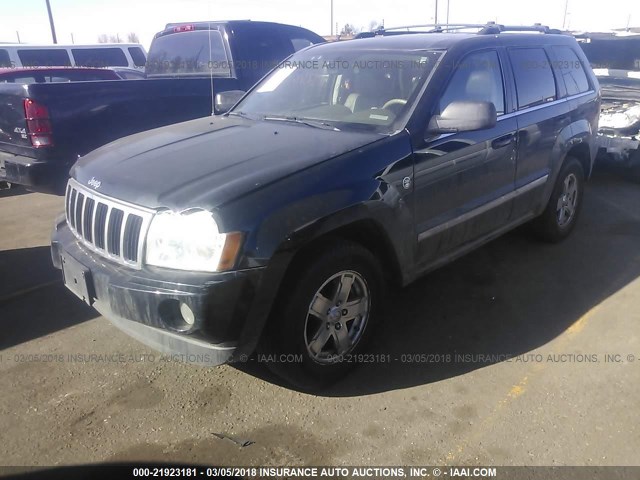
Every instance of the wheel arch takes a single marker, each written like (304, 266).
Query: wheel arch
(366, 232)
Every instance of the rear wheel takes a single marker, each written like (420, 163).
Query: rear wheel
(560, 216)
(325, 315)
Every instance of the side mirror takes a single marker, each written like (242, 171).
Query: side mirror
(226, 100)
(464, 116)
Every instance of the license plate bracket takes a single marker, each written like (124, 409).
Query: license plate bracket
(77, 278)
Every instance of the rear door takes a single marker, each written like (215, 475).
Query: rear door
(542, 114)
(463, 181)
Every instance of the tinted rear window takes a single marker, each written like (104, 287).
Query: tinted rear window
(189, 53)
(571, 69)
(139, 59)
(261, 48)
(50, 57)
(5, 61)
(99, 57)
(535, 82)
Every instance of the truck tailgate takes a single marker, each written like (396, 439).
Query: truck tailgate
(13, 124)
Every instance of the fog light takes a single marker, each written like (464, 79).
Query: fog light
(176, 315)
(187, 314)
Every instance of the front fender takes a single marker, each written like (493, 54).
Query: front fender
(279, 220)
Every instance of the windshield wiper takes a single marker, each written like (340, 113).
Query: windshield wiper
(304, 121)
(238, 113)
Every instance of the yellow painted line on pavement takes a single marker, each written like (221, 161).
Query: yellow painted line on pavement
(517, 390)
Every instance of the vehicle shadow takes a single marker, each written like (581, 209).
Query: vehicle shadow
(14, 191)
(505, 299)
(33, 299)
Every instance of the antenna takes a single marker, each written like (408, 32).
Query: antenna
(210, 64)
(566, 7)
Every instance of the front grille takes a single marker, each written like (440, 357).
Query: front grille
(110, 227)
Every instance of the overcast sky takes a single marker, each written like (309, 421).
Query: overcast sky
(86, 19)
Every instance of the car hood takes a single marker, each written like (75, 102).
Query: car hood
(209, 161)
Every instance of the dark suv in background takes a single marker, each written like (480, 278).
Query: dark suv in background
(353, 165)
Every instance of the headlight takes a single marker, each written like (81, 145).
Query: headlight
(190, 241)
(621, 119)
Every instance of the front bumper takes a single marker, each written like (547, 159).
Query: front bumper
(145, 303)
(41, 176)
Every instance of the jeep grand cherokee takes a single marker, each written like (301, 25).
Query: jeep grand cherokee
(352, 165)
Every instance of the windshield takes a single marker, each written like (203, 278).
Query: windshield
(359, 89)
(195, 52)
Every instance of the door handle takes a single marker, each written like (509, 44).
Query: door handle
(503, 141)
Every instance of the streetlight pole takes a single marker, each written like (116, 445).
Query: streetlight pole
(435, 17)
(53, 28)
(566, 7)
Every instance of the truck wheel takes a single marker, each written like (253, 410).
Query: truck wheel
(559, 218)
(327, 312)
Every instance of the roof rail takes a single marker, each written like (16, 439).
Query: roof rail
(489, 28)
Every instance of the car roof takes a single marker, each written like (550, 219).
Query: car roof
(443, 41)
(52, 69)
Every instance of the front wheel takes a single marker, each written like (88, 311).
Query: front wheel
(561, 214)
(325, 315)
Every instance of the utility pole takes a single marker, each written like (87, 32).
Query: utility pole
(447, 12)
(72, 40)
(435, 17)
(566, 8)
(53, 28)
(332, 17)
(18, 35)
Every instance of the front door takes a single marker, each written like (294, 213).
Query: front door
(464, 181)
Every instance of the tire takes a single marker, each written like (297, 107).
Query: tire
(319, 322)
(562, 212)
(4, 185)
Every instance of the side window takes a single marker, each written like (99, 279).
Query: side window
(535, 82)
(49, 57)
(478, 77)
(575, 79)
(139, 59)
(5, 61)
(99, 57)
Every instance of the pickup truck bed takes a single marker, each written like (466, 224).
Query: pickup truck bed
(85, 115)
